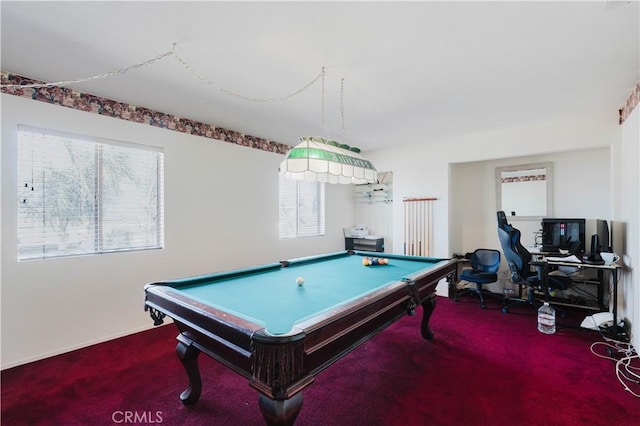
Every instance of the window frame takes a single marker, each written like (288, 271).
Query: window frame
(147, 156)
(319, 198)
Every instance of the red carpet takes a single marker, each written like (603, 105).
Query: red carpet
(482, 368)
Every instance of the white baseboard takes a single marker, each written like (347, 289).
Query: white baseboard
(80, 346)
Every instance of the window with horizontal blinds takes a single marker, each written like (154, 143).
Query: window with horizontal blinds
(80, 195)
(301, 208)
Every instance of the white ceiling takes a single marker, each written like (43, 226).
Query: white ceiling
(414, 71)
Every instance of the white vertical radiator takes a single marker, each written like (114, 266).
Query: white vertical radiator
(418, 226)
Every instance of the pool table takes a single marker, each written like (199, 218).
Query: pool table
(261, 323)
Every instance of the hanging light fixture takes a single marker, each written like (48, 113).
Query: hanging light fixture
(320, 160)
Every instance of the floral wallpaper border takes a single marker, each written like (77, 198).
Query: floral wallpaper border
(86, 102)
(631, 103)
(529, 178)
(98, 105)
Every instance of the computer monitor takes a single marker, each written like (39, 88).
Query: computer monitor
(565, 234)
(575, 235)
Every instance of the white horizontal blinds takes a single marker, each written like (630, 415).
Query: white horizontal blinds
(288, 206)
(302, 211)
(56, 179)
(83, 196)
(131, 211)
(310, 209)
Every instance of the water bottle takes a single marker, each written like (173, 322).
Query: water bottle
(546, 319)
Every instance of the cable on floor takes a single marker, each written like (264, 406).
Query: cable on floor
(624, 355)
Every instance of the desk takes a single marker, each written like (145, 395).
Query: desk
(462, 263)
(364, 244)
(261, 324)
(613, 271)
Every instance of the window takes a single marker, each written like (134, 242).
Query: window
(301, 208)
(80, 195)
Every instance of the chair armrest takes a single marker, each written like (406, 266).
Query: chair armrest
(515, 276)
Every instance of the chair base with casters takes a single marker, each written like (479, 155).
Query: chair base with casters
(484, 270)
(515, 301)
(476, 290)
(542, 281)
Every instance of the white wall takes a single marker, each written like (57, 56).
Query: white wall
(428, 169)
(573, 173)
(424, 170)
(581, 188)
(626, 187)
(221, 212)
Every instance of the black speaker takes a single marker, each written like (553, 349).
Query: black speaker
(595, 244)
(594, 257)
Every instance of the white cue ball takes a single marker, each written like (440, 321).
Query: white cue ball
(299, 280)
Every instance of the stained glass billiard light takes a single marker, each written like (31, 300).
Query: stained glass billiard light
(320, 160)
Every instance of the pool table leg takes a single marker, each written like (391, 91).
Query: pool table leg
(188, 356)
(280, 411)
(427, 309)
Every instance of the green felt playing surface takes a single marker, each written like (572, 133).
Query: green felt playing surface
(271, 297)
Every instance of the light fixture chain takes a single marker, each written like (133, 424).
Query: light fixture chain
(322, 123)
(342, 130)
(188, 67)
(95, 77)
(246, 98)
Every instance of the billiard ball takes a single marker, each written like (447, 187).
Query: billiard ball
(299, 280)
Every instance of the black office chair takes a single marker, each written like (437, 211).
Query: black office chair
(520, 264)
(484, 270)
